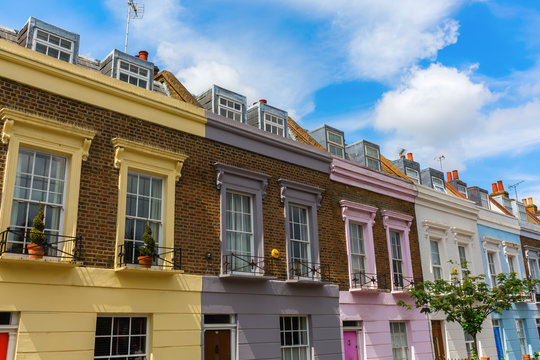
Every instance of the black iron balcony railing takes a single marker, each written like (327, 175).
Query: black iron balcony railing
(307, 270)
(363, 280)
(235, 263)
(403, 283)
(16, 241)
(165, 257)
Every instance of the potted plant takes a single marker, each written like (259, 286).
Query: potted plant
(148, 250)
(37, 236)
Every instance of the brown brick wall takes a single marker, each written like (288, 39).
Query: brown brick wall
(197, 213)
(526, 241)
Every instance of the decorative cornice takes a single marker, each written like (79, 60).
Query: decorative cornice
(511, 248)
(460, 231)
(350, 173)
(123, 145)
(347, 205)
(391, 216)
(429, 224)
(293, 185)
(492, 242)
(222, 169)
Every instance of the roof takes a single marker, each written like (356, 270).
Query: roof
(500, 207)
(531, 217)
(301, 135)
(389, 168)
(175, 87)
(453, 190)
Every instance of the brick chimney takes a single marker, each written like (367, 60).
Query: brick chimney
(530, 205)
(455, 174)
(498, 189)
(410, 157)
(448, 176)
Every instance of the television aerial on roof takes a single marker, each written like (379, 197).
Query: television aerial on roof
(135, 11)
(514, 186)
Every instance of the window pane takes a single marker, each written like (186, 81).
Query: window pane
(41, 48)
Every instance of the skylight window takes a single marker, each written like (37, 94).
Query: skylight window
(335, 144)
(438, 184)
(274, 124)
(52, 45)
(372, 158)
(230, 109)
(133, 74)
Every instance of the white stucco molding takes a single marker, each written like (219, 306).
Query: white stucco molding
(491, 243)
(510, 248)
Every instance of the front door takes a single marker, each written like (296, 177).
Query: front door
(438, 343)
(4, 340)
(350, 340)
(217, 345)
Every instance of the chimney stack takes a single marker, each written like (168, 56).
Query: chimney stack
(500, 185)
(530, 205)
(143, 54)
(498, 189)
(263, 101)
(494, 188)
(402, 156)
(455, 174)
(524, 201)
(409, 156)
(448, 176)
(530, 201)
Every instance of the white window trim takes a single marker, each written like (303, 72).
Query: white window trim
(11, 330)
(438, 232)
(377, 159)
(439, 187)
(273, 124)
(523, 330)
(129, 73)
(492, 245)
(51, 45)
(407, 336)
(133, 156)
(335, 144)
(112, 316)
(512, 250)
(227, 108)
(415, 177)
(439, 242)
(364, 215)
(484, 198)
(232, 327)
(401, 224)
(308, 346)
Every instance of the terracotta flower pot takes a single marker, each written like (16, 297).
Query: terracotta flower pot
(145, 261)
(35, 251)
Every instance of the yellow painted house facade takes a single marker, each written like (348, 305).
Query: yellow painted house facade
(64, 305)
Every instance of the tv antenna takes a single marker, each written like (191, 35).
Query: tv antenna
(514, 186)
(402, 152)
(135, 11)
(440, 158)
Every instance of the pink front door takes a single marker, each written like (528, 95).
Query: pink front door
(350, 340)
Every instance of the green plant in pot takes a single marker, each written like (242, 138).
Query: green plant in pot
(148, 250)
(37, 236)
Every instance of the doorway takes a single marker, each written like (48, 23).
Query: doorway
(438, 341)
(217, 344)
(352, 340)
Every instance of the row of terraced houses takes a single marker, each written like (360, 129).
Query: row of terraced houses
(273, 242)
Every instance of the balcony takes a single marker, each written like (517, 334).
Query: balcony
(165, 260)
(57, 249)
(247, 267)
(307, 272)
(402, 283)
(362, 281)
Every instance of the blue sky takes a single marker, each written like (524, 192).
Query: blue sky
(449, 77)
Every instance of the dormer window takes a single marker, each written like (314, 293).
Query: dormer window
(133, 74)
(335, 144)
(438, 184)
(484, 200)
(462, 190)
(52, 45)
(373, 160)
(413, 175)
(274, 124)
(522, 212)
(230, 109)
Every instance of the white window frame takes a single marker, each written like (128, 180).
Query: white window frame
(48, 44)
(402, 332)
(492, 270)
(11, 329)
(492, 246)
(512, 253)
(401, 224)
(435, 266)
(469, 343)
(272, 125)
(413, 174)
(521, 333)
(230, 112)
(462, 190)
(436, 185)
(131, 74)
(243, 258)
(307, 346)
(335, 145)
(306, 241)
(484, 200)
(463, 263)
(369, 157)
(130, 316)
(231, 326)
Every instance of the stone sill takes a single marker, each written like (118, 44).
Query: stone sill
(44, 261)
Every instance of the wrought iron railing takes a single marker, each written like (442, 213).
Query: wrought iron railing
(402, 283)
(235, 263)
(165, 257)
(16, 241)
(307, 270)
(363, 280)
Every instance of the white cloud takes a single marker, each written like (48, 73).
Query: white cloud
(441, 111)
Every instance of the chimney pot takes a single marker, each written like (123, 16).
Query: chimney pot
(409, 156)
(137, 55)
(402, 156)
(494, 187)
(500, 185)
(530, 201)
(524, 201)
(455, 174)
(143, 54)
(255, 103)
(449, 176)
(263, 101)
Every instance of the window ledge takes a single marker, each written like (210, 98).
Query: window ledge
(45, 261)
(307, 282)
(154, 270)
(371, 290)
(246, 277)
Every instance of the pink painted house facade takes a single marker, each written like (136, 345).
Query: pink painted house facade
(383, 261)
